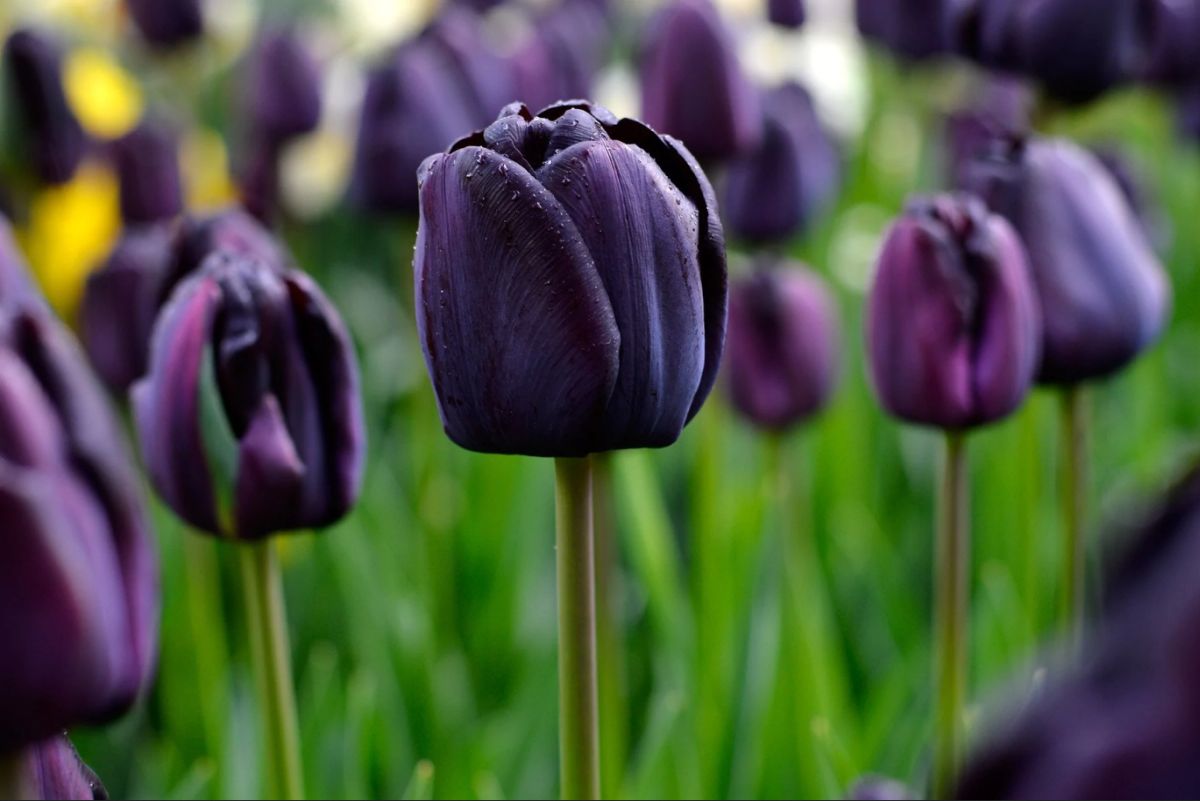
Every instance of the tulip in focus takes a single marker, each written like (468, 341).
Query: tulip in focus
(147, 166)
(48, 129)
(693, 86)
(782, 347)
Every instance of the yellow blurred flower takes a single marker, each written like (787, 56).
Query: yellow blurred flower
(204, 162)
(314, 173)
(70, 229)
(106, 98)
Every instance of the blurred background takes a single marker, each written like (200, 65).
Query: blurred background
(423, 626)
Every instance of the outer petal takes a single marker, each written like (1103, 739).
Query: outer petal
(167, 23)
(643, 234)
(147, 166)
(497, 253)
(270, 481)
(59, 773)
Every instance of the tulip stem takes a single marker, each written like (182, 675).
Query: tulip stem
(15, 781)
(579, 725)
(1072, 486)
(951, 606)
(271, 654)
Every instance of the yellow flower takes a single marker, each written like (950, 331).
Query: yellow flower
(70, 229)
(106, 98)
(204, 162)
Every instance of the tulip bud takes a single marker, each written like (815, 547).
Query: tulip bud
(912, 29)
(953, 323)
(249, 417)
(167, 23)
(78, 581)
(561, 55)
(52, 771)
(147, 164)
(1103, 292)
(786, 13)
(570, 284)
(693, 87)
(775, 191)
(1171, 29)
(283, 89)
(48, 128)
(782, 347)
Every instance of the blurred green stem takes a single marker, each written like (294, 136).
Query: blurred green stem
(267, 627)
(579, 730)
(610, 655)
(1072, 485)
(206, 615)
(951, 570)
(15, 781)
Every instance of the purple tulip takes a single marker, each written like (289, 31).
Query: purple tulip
(1172, 30)
(1104, 294)
(953, 322)
(911, 29)
(123, 298)
(283, 88)
(167, 23)
(52, 770)
(570, 284)
(49, 130)
(250, 417)
(78, 582)
(693, 87)
(774, 192)
(782, 347)
(147, 165)
(786, 13)
(417, 103)
(1003, 110)
(562, 54)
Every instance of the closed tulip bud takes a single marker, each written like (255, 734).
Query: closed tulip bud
(953, 323)
(693, 86)
(53, 771)
(283, 89)
(911, 29)
(48, 128)
(570, 284)
(562, 54)
(774, 192)
(786, 13)
(78, 582)
(1103, 292)
(167, 23)
(1172, 30)
(782, 347)
(249, 416)
(147, 165)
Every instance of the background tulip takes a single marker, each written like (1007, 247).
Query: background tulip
(283, 89)
(912, 29)
(774, 192)
(49, 130)
(1104, 294)
(252, 368)
(561, 55)
(570, 283)
(167, 23)
(953, 324)
(78, 583)
(693, 87)
(147, 164)
(786, 13)
(1171, 28)
(782, 346)
(1003, 111)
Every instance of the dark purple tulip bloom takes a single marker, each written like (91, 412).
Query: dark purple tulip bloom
(911, 29)
(147, 165)
(1076, 49)
(1172, 31)
(953, 323)
(283, 90)
(1003, 111)
(570, 284)
(1131, 180)
(167, 23)
(693, 87)
(1103, 292)
(123, 297)
(250, 417)
(54, 772)
(49, 129)
(782, 347)
(786, 13)
(562, 54)
(78, 582)
(774, 192)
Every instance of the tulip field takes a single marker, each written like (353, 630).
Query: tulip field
(599, 399)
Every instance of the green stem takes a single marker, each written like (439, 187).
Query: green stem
(15, 781)
(951, 570)
(203, 580)
(610, 654)
(267, 625)
(1072, 486)
(579, 731)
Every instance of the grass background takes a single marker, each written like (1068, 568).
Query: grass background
(765, 637)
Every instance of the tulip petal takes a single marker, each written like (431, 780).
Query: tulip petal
(270, 473)
(497, 253)
(59, 773)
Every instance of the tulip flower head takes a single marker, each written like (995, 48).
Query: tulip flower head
(167, 23)
(911, 29)
(782, 347)
(49, 130)
(953, 325)
(570, 284)
(786, 13)
(147, 164)
(283, 94)
(250, 417)
(78, 582)
(562, 54)
(55, 771)
(1104, 294)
